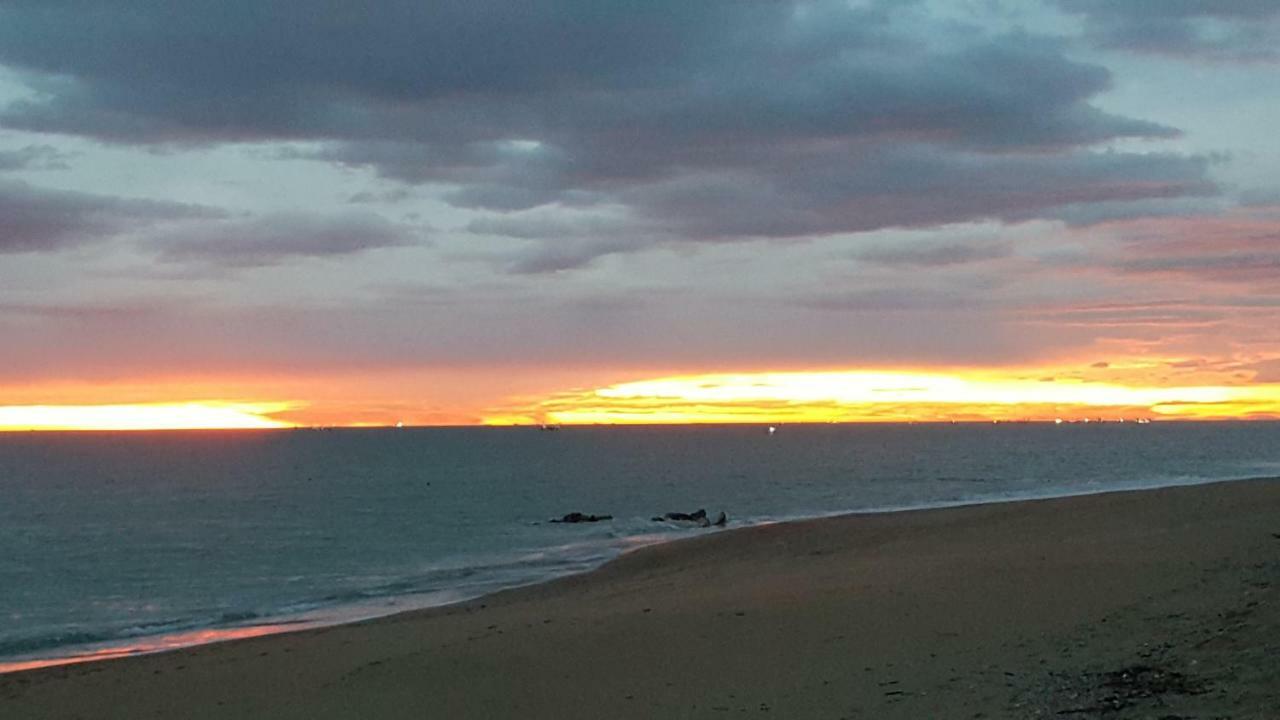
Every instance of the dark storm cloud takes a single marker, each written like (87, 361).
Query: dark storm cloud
(35, 219)
(481, 71)
(152, 69)
(271, 239)
(1218, 29)
(706, 120)
(757, 116)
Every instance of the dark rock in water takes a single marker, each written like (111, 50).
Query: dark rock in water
(577, 517)
(698, 517)
(699, 514)
(721, 519)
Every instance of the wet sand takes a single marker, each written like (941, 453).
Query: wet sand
(1151, 604)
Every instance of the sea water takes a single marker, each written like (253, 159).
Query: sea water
(118, 542)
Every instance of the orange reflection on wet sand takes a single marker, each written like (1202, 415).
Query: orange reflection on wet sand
(142, 646)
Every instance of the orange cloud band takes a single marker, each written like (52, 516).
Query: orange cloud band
(851, 396)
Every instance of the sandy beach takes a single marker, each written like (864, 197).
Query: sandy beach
(1151, 604)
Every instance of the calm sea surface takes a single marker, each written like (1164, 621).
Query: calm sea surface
(127, 540)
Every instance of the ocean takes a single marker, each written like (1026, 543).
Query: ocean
(114, 543)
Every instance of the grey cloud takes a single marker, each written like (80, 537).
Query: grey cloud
(1260, 198)
(891, 299)
(501, 196)
(271, 239)
(910, 186)
(481, 167)
(1203, 202)
(1242, 246)
(1260, 267)
(36, 219)
(560, 240)
(545, 330)
(1125, 316)
(549, 225)
(1011, 93)
(936, 255)
(563, 255)
(709, 120)
(388, 196)
(1239, 30)
(89, 313)
(913, 187)
(33, 157)
(444, 72)
(146, 68)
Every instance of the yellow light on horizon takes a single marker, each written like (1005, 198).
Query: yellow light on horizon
(856, 387)
(144, 416)
(851, 396)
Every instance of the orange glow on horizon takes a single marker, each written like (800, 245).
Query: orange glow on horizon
(1129, 388)
(893, 396)
(145, 416)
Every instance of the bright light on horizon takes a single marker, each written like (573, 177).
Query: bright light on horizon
(855, 396)
(857, 387)
(145, 416)
(909, 395)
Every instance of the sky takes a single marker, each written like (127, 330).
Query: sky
(327, 213)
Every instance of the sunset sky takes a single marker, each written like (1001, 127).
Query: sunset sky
(236, 212)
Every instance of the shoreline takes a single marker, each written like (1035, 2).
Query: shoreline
(1120, 602)
(359, 613)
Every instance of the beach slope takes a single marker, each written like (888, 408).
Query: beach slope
(1158, 603)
